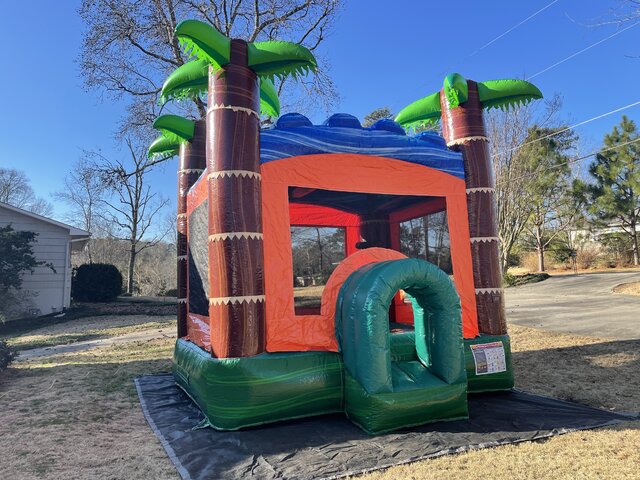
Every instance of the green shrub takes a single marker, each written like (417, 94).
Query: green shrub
(96, 282)
(509, 280)
(560, 253)
(618, 249)
(6, 355)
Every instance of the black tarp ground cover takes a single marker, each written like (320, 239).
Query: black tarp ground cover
(330, 446)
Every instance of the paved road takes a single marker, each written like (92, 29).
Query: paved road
(580, 304)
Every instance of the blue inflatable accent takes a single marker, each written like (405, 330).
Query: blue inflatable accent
(431, 137)
(294, 135)
(293, 120)
(342, 120)
(388, 125)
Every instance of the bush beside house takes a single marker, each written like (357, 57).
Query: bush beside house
(96, 282)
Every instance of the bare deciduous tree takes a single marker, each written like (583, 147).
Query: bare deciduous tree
(133, 207)
(129, 48)
(16, 190)
(83, 193)
(514, 174)
(155, 271)
(627, 11)
(507, 131)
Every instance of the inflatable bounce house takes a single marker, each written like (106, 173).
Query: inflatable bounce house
(395, 341)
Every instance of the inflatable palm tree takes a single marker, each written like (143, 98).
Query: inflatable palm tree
(460, 104)
(188, 138)
(236, 263)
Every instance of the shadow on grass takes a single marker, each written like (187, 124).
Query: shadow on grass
(57, 340)
(83, 310)
(604, 375)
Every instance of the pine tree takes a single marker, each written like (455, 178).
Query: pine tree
(615, 195)
(550, 196)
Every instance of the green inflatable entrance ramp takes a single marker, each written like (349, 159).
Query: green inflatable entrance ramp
(384, 393)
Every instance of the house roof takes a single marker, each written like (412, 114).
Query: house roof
(295, 135)
(76, 234)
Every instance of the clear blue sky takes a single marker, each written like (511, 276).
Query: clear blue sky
(390, 55)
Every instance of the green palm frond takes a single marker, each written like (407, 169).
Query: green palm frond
(507, 93)
(162, 148)
(204, 41)
(187, 81)
(269, 101)
(280, 59)
(455, 89)
(421, 113)
(191, 81)
(175, 128)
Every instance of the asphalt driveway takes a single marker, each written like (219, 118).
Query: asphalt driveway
(580, 304)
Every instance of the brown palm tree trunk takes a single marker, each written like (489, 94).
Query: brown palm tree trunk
(236, 258)
(463, 129)
(192, 162)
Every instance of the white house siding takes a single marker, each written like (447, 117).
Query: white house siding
(51, 290)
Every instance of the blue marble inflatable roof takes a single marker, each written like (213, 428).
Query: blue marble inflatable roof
(294, 134)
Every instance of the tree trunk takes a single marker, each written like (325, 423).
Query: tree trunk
(321, 265)
(192, 163)
(89, 249)
(540, 248)
(425, 234)
(236, 254)
(504, 260)
(540, 259)
(463, 129)
(132, 263)
(636, 250)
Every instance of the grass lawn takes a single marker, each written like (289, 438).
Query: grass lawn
(83, 329)
(76, 415)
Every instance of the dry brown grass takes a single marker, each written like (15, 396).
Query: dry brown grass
(312, 291)
(76, 415)
(529, 261)
(632, 288)
(90, 328)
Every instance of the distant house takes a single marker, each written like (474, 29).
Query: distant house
(595, 234)
(54, 244)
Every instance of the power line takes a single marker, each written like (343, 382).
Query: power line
(573, 160)
(514, 27)
(568, 128)
(522, 22)
(582, 51)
